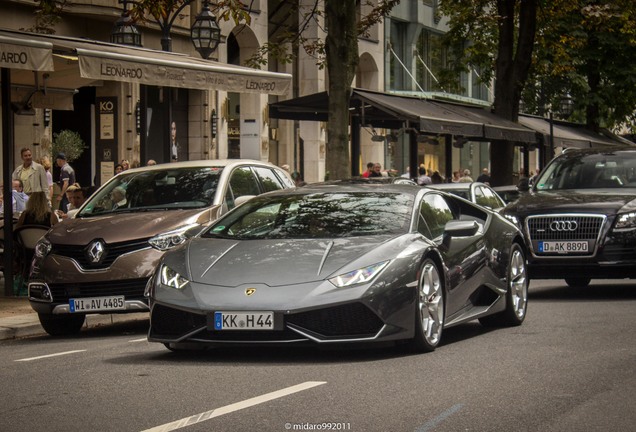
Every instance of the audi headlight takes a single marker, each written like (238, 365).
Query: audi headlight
(171, 278)
(359, 276)
(42, 248)
(626, 221)
(170, 239)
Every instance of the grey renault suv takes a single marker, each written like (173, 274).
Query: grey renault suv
(100, 260)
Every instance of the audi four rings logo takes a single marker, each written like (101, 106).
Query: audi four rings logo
(564, 225)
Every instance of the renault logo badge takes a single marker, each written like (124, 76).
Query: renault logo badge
(95, 252)
(250, 291)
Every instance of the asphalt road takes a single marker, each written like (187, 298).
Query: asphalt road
(569, 367)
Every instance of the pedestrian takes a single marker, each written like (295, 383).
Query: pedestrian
(436, 178)
(125, 164)
(376, 171)
(37, 212)
(46, 163)
(67, 178)
(151, 162)
(466, 178)
(369, 170)
(18, 198)
(484, 177)
(32, 174)
(119, 168)
(423, 179)
(456, 177)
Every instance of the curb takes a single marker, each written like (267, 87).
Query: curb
(22, 326)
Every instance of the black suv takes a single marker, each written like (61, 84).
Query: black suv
(579, 218)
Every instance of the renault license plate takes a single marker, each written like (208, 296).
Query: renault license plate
(562, 247)
(97, 304)
(243, 320)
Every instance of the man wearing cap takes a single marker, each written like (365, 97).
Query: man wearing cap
(67, 177)
(32, 174)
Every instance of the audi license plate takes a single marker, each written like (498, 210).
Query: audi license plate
(95, 304)
(243, 320)
(562, 247)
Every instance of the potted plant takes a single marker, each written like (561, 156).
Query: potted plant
(68, 142)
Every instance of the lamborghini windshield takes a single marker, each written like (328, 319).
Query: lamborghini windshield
(317, 215)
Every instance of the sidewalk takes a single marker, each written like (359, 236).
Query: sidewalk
(18, 320)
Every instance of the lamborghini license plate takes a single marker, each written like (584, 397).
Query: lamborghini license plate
(243, 320)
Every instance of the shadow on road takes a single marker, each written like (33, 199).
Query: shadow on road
(296, 354)
(606, 291)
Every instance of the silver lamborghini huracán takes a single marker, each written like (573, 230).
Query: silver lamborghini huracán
(340, 262)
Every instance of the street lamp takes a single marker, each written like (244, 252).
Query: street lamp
(205, 31)
(125, 32)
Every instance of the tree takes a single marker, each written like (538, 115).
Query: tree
(586, 51)
(583, 49)
(497, 36)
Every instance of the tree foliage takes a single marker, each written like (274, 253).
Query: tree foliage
(584, 49)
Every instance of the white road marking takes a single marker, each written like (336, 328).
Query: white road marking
(139, 340)
(198, 418)
(49, 355)
(429, 425)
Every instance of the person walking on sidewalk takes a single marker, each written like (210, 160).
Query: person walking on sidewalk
(67, 178)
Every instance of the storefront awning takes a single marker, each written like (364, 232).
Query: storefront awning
(17, 53)
(384, 110)
(569, 134)
(72, 63)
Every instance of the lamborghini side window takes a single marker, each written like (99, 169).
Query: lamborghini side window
(435, 212)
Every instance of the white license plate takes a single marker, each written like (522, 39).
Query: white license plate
(562, 247)
(94, 304)
(243, 320)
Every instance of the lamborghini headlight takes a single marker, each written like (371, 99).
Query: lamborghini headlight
(359, 276)
(626, 221)
(171, 278)
(170, 239)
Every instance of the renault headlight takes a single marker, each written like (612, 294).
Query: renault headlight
(626, 221)
(359, 276)
(171, 278)
(170, 239)
(42, 248)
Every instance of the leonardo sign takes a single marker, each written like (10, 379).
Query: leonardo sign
(176, 70)
(23, 54)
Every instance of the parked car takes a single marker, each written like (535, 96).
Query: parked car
(101, 260)
(579, 218)
(340, 262)
(477, 192)
(509, 193)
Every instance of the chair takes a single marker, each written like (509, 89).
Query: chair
(26, 237)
